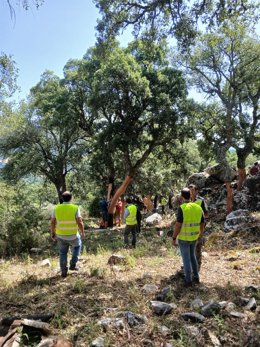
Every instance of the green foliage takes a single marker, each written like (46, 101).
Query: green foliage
(94, 207)
(180, 18)
(97, 272)
(22, 224)
(222, 65)
(8, 76)
(45, 139)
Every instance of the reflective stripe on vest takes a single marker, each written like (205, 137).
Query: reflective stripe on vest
(65, 215)
(190, 228)
(131, 218)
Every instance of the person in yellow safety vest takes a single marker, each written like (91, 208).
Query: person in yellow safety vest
(163, 203)
(65, 223)
(188, 229)
(201, 202)
(130, 216)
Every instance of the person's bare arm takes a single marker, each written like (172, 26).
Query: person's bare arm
(52, 228)
(81, 227)
(177, 229)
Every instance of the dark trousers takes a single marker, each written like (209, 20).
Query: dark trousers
(130, 229)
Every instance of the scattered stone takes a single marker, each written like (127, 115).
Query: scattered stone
(192, 330)
(116, 259)
(205, 254)
(98, 342)
(147, 343)
(113, 322)
(251, 305)
(45, 263)
(162, 308)
(215, 341)
(243, 301)
(252, 288)
(132, 318)
(197, 304)
(150, 288)
(164, 330)
(148, 275)
(193, 316)
(223, 304)
(210, 309)
(236, 314)
(165, 294)
(54, 341)
(167, 344)
(230, 307)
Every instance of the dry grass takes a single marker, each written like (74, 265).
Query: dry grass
(98, 291)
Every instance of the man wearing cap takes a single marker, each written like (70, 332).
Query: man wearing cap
(188, 229)
(65, 223)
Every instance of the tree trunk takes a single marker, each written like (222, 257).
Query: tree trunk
(61, 187)
(241, 178)
(229, 197)
(121, 190)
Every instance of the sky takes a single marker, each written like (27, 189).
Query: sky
(45, 39)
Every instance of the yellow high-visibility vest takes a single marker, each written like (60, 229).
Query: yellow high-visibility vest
(190, 228)
(131, 218)
(65, 215)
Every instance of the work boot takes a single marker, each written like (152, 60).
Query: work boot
(64, 272)
(196, 280)
(73, 267)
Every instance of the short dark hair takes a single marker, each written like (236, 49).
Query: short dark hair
(193, 186)
(66, 196)
(185, 193)
(128, 201)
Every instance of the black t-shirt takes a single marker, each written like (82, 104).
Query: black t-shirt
(203, 205)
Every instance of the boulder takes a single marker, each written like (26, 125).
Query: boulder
(220, 173)
(155, 218)
(238, 220)
(199, 179)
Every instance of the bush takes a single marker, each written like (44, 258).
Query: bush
(25, 229)
(94, 208)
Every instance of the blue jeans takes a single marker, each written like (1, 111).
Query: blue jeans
(64, 248)
(190, 264)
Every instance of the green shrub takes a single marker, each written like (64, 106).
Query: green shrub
(94, 207)
(25, 229)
